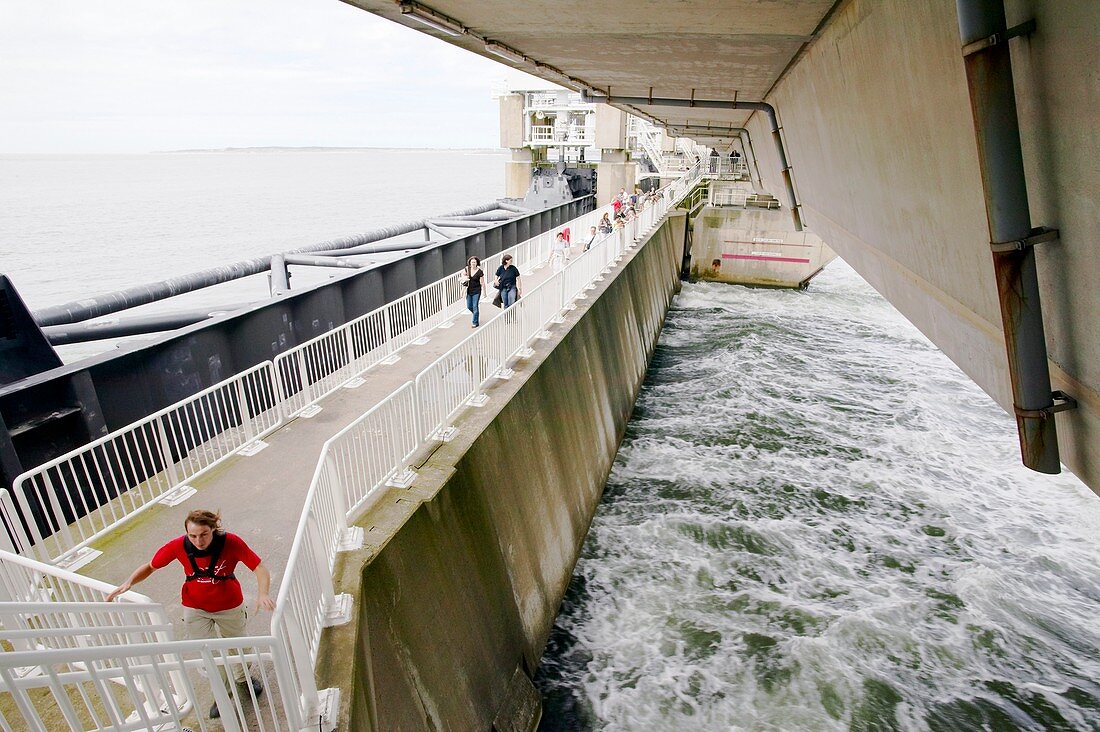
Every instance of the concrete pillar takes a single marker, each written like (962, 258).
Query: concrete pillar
(610, 128)
(615, 171)
(517, 173)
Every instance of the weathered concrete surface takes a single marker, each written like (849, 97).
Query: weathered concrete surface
(879, 132)
(466, 570)
(760, 248)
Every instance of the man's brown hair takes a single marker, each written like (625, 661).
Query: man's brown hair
(203, 517)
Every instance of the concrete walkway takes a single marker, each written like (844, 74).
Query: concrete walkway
(261, 497)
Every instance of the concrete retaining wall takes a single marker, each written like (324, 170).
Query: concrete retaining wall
(467, 569)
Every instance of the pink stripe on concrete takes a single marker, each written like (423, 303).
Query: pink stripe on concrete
(766, 259)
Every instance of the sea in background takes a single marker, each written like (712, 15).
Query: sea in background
(72, 226)
(815, 522)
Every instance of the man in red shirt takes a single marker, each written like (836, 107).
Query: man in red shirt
(213, 604)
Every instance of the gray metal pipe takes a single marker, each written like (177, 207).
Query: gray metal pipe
(60, 335)
(113, 302)
(458, 224)
(280, 275)
(764, 107)
(329, 261)
(993, 103)
(377, 248)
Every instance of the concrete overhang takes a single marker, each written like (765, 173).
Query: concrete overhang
(718, 50)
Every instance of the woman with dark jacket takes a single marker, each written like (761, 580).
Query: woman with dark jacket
(508, 280)
(471, 280)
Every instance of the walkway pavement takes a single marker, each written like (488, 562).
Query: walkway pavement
(261, 497)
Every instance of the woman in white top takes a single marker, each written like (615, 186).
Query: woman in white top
(559, 252)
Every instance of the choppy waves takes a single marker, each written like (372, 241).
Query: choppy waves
(817, 522)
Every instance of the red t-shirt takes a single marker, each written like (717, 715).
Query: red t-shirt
(206, 593)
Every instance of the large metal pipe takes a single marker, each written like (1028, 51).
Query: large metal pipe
(982, 27)
(377, 248)
(113, 302)
(60, 335)
(764, 107)
(309, 261)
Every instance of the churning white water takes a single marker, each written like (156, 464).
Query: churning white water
(817, 522)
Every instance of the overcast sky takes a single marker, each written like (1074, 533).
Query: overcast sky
(100, 76)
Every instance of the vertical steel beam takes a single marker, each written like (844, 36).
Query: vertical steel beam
(983, 30)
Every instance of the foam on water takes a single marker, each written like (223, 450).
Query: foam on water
(817, 522)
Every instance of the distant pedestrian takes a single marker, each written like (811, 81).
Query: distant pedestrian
(558, 252)
(508, 279)
(605, 225)
(591, 238)
(213, 604)
(471, 280)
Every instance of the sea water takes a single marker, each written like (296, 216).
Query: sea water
(817, 522)
(73, 226)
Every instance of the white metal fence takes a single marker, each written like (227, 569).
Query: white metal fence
(150, 686)
(78, 497)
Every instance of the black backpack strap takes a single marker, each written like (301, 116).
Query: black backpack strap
(216, 547)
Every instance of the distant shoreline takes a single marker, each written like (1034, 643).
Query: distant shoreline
(258, 151)
(270, 149)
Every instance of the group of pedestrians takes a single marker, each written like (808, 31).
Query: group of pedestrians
(506, 280)
(625, 207)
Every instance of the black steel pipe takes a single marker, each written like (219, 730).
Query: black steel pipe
(764, 107)
(113, 302)
(997, 128)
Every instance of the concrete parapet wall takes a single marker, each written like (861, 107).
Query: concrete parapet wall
(467, 569)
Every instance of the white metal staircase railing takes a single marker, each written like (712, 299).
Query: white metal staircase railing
(74, 499)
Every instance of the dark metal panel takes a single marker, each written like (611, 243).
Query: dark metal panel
(454, 256)
(475, 247)
(363, 293)
(429, 267)
(398, 278)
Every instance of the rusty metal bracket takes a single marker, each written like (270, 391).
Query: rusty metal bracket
(1062, 402)
(1023, 29)
(1040, 235)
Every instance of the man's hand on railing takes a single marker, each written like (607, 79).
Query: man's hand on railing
(120, 590)
(264, 602)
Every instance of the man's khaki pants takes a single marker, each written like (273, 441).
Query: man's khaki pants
(224, 624)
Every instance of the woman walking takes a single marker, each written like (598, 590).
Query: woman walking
(508, 279)
(471, 279)
(559, 252)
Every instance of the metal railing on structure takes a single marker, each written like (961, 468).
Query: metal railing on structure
(74, 499)
(561, 135)
(743, 198)
(80, 662)
(151, 686)
(357, 463)
(354, 464)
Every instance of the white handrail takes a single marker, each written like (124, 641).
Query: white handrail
(78, 497)
(80, 686)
